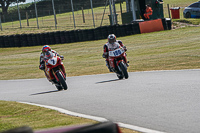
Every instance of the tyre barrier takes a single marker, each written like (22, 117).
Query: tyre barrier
(38, 40)
(42, 38)
(29, 40)
(97, 33)
(123, 30)
(23, 40)
(2, 45)
(118, 31)
(52, 38)
(90, 33)
(80, 35)
(11, 41)
(60, 37)
(167, 23)
(76, 34)
(136, 28)
(34, 40)
(110, 30)
(17, 41)
(6, 41)
(164, 24)
(67, 37)
(104, 31)
(128, 29)
(47, 38)
(57, 37)
(72, 36)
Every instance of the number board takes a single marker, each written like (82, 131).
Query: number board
(116, 52)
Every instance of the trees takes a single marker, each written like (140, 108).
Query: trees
(4, 4)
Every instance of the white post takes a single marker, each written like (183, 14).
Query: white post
(73, 13)
(54, 14)
(133, 9)
(111, 15)
(92, 12)
(114, 12)
(19, 14)
(36, 15)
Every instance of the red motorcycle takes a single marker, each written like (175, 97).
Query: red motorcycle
(55, 70)
(118, 62)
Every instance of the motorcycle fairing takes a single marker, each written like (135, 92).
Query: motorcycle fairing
(52, 66)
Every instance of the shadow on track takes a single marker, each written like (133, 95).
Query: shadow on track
(108, 81)
(44, 92)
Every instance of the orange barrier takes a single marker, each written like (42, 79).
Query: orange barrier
(151, 26)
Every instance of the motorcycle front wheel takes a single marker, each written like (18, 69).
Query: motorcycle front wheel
(62, 80)
(123, 69)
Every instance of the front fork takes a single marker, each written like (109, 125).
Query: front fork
(125, 64)
(55, 74)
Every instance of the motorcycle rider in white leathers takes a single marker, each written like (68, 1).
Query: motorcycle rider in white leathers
(46, 48)
(112, 44)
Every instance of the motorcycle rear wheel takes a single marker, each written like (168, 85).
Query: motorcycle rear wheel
(62, 80)
(123, 69)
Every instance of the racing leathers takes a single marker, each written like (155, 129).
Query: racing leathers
(109, 47)
(42, 55)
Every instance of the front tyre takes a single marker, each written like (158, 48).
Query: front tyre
(59, 87)
(123, 69)
(62, 80)
(120, 76)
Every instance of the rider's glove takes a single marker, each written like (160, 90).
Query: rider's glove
(125, 48)
(41, 67)
(62, 57)
(105, 55)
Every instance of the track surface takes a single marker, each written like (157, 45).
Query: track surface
(167, 101)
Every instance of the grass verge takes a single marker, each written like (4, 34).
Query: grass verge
(13, 115)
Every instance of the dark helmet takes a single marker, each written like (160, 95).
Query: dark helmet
(111, 38)
(46, 48)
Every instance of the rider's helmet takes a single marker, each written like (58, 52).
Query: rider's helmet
(48, 55)
(46, 48)
(111, 38)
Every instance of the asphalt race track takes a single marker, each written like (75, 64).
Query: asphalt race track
(166, 101)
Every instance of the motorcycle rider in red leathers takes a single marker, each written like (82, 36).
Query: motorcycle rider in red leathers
(46, 48)
(112, 44)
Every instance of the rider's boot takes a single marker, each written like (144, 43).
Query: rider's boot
(109, 68)
(127, 64)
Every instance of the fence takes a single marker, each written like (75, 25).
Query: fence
(73, 35)
(64, 17)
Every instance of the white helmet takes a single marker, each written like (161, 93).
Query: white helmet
(111, 38)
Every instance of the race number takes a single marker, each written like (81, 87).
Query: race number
(116, 52)
(52, 61)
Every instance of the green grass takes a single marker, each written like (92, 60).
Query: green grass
(165, 50)
(14, 115)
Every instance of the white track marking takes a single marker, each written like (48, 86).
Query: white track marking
(100, 119)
